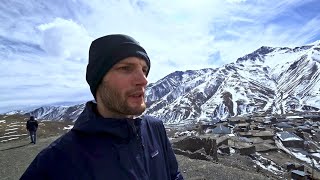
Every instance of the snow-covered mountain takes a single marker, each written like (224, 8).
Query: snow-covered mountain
(268, 81)
(59, 113)
(253, 84)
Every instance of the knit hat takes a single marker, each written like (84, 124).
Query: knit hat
(108, 50)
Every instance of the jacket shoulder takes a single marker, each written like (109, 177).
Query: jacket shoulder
(48, 161)
(154, 125)
(57, 147)
(152, 120)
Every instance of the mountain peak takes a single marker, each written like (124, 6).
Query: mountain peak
(317, 43)
(257, 55)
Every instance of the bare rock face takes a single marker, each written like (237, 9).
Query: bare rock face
(224, 149)
(193, 155)
(202, 147)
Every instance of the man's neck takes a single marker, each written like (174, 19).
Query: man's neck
(110, 114)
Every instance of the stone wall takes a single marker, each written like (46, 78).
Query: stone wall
(197, 147)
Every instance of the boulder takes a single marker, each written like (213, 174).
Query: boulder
(194, 146)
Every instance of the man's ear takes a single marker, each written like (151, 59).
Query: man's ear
(97, 98)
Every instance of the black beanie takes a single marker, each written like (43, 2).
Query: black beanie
(106, 51)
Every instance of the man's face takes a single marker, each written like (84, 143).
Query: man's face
(122, 90)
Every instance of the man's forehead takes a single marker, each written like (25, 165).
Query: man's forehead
(133, 61)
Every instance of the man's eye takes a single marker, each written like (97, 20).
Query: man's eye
(126, 68)
(145, 71)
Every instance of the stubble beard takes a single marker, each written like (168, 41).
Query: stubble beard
(114, 102)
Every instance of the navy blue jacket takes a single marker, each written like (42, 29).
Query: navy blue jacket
(32, 125)
(104, 148)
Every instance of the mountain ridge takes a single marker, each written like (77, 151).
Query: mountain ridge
(252, 84)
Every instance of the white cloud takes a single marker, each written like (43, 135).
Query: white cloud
(178, 35)
(65, 39)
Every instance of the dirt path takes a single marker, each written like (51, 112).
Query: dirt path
(15, 157)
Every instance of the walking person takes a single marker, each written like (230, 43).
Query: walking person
(32, 127)
(110, 139)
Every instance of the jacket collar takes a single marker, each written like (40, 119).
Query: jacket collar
(92, 123)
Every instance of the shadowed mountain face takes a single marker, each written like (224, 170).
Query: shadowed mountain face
(253, 84)
(228, 91)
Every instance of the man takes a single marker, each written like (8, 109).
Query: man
(32, 126)
(108, 140)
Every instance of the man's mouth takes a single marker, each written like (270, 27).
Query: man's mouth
(137, 95)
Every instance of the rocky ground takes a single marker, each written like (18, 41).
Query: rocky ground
(222, 170)
(16, 156)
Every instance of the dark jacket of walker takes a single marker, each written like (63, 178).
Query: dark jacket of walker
(32, 124)
(99, 148)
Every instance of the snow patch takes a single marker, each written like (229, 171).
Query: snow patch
(11, 129)
(6, 140)
(68, 127)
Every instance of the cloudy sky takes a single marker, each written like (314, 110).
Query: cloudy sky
(44, 44)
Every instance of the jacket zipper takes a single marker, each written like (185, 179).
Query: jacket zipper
(141, 151)
(137, 132)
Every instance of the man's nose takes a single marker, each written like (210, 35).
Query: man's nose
(140, 78)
